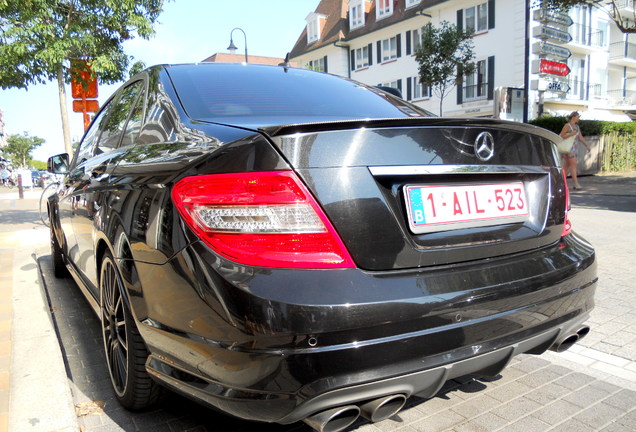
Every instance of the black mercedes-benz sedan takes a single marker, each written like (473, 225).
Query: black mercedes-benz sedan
(288, 245)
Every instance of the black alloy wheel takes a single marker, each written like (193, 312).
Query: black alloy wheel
(125, 350)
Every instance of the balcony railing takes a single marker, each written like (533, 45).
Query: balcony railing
(623, 50)
(626, 4)
(583, 90)
(585, 35)
(622, 97)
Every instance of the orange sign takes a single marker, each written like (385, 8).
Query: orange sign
(83, 81)
(85, 106)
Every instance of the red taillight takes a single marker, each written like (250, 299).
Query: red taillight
(567, 225)
(266, 219)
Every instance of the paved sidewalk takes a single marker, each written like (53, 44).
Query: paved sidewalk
(591, 387)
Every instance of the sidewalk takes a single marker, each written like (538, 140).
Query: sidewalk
(52, 377)
(34, 391)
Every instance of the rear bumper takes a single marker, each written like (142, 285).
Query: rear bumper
(258, 358)
(424, 383)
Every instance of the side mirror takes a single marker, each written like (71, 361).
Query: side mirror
(58, 164)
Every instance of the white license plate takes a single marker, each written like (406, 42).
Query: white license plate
(442, 208)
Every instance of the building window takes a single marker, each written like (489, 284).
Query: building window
(383, 8)
(419, 91)
(475, 85)
(416, 35)
(319, 65)
(476, 18)
(314, 26)
(356, 14)
(410, 3)
(389, 49)
(362, 57)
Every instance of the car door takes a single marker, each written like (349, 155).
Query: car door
(93, 178)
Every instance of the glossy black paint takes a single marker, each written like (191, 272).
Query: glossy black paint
(278, 344)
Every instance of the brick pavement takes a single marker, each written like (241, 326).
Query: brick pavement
(591, 387)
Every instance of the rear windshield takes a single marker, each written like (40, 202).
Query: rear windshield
(222, 92)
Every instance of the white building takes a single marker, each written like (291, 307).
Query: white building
(374, 42)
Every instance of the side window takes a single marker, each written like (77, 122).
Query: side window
(114, 126)
(135, 121)
(87, 146)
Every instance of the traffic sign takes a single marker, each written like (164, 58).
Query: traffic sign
(87, 105)
(551, 34)
(83, 82)
(547, 49)
(548, 16)
(550, 67)
(544, 84)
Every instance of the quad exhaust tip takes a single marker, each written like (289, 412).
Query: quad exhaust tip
(383, 408)
(571, 339)
(339, 418)
(334, 419)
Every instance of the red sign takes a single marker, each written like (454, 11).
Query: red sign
(89, 105)
(553, 68)
(83, 82)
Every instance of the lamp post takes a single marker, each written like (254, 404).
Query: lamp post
(232, 47)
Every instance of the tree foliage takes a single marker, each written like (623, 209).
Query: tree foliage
(444, 56)
(19, 148)
(39, 36)
(624, 18)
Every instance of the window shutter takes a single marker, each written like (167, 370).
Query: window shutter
(491, 14)
(353, 59)
(398, 42)
(370, 52)
(460, 20)
(460, 84)
(400, 85)
(409, 89)
(408, 43)
(379, 45)
(491, 77)
(326, 67)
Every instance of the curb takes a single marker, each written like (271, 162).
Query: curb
(41, 398)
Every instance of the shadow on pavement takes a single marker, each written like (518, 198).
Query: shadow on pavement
(620, 203)
(21, 217)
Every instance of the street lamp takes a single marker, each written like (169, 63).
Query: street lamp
(232, 47)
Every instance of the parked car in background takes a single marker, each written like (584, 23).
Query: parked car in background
(288, 245)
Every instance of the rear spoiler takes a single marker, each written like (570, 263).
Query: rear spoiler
(291, 129)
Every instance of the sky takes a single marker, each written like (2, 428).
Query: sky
(188, 31)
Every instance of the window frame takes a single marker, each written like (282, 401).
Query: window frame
(360, 21)
(392, 49)
(480, 18)
(361, 50)
(477, 82)
(313, 27)
(383, 9)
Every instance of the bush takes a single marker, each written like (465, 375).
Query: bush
(588, 127)
(619, 148)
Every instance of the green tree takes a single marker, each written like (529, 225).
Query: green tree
(624, 18)
(38, 38)
(19, 148)
(444, 56)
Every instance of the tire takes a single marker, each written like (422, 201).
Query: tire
(126, 353)
(59, 268)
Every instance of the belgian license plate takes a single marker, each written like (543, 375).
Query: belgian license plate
(442, 208)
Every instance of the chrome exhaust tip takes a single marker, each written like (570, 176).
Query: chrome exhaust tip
(334, 419)
(383, 408)
(565, 343)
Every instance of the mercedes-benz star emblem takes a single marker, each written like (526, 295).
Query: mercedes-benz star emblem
(484, 146)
